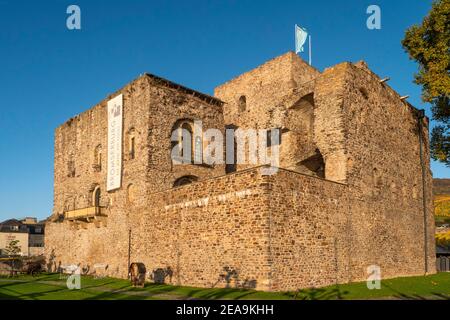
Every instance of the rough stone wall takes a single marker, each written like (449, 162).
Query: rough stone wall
(210, 234)
(213, 233)
(167, 106)
(385, 176)
(68, 244)
(150, 110)
(77, 176)
(36, 251)
(264, 87)
(369, 139)
(76, 141)
(272, 94)
(329, 125)
(280, 232)
(307, 248)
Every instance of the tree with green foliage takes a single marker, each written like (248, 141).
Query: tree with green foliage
(429, 45)
(13, 248)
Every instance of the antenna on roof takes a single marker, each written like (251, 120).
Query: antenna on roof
(404, 98)
(385, 80)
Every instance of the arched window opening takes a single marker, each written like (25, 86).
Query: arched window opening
(97, 158)
(186, 145)
(186, 136)
(364, 92)
(376, 179)
(198, 148)
(185, 180)
(315, 164)
(274, 137)
(131, 193)
(231, 149)
(96, 197)
(306, 101)
(242, 103)
(131, 144)
(71, 167)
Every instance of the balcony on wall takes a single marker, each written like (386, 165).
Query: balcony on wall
(89, 214)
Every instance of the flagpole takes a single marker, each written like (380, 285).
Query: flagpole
(295, 38)
(310, 51)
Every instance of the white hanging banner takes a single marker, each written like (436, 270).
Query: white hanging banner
(115, 120)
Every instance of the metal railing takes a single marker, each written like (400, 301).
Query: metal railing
(85, 213)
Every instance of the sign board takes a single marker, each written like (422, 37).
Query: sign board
(115, 122)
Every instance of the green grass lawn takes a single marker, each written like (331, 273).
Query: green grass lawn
(52, 287)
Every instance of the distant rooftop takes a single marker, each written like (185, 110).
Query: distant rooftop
(13, 225)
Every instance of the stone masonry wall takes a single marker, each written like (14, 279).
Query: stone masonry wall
(385, 175)
(167, 106)
(75, 144)
(209, 234)
(369, 139)
(272, 92)
(306, 246)
(279, 232)
(150, 170)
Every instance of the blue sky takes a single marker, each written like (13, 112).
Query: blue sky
(49, 73)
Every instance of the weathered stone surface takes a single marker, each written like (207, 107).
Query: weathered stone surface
(281, 232)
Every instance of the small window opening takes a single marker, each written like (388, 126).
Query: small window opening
(242, 103)
(132, 147)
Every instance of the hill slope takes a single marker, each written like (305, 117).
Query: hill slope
(441, 190)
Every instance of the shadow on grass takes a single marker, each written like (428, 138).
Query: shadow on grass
(51, 286)
(109, 288)
(19, 295)
(403, 296)
(330, 293)
(177, 292)
(113, 295)
(208, 294)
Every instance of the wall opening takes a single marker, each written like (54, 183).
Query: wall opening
(131, 144)
(231, 150)
(185, 180)
(131, 193)
(315, 164)
(71, 167)
(242, 103)
(185, 145)
(96, 196)
(278, 132)
(97, 165)
(364, 92)
(307, 101)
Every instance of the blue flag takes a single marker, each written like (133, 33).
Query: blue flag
(300, 38)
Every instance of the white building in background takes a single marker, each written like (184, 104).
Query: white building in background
(28, 231)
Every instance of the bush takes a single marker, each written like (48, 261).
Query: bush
(443, 239)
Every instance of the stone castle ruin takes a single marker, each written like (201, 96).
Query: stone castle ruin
(348, 193)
